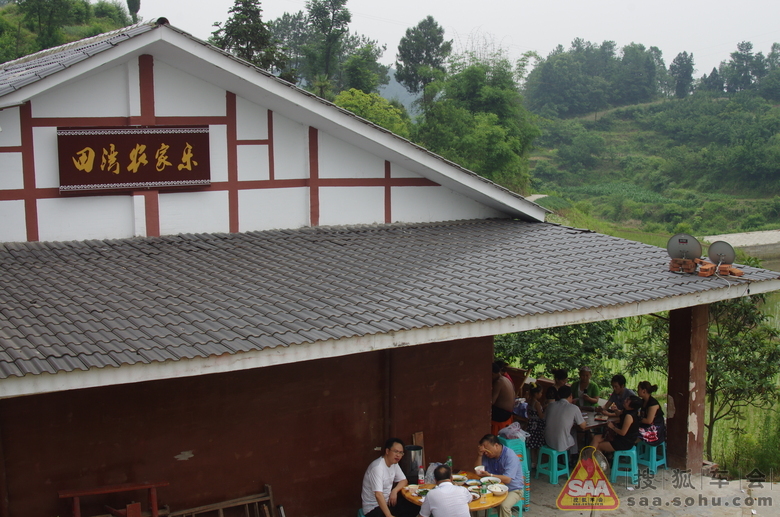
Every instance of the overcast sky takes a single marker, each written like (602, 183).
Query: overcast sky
(710, 29)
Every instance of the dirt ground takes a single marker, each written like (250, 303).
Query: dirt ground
(665, 495)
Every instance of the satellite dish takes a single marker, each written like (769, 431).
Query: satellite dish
(683, 246)
(721, 252)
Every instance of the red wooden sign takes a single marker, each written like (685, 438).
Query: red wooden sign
(122, 158)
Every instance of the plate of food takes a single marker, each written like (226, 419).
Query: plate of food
(490, 480)
(602, 418)
(473, 482)
(459, 479)
(474, 489)
(423, 492)
(498, 489)
(474, 496)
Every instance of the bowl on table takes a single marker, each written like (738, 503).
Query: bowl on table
(459, 479)
(498, 489)
(412, 488)
(474, 489)
(473, 483)
(490, 480)
(474, 496)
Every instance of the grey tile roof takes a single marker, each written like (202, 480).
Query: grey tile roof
(28, 69)
(77, 305)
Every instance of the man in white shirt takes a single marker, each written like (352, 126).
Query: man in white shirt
(447, 500)
(380, 497)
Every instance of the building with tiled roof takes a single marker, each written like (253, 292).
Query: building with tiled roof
(212, 278)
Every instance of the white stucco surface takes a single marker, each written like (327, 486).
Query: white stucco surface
(218, 152)
(352, 205)
(178, 93)
(194, 212)
(12, 228)
(291, 149)
(80, 218)
(396, 171)
(251, 120)
(11, 176)
(11, 134)
(339, 159)
(104, 94)
(253, 162)
(47, 168)
(427, 204)
(270, 209)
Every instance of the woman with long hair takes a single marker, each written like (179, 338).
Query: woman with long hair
(652, 426)
(623, 436)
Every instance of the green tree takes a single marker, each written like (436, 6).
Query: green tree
(712, 82)
(743, 359)
(133, 6)
(363, 71)
(681, 71)
(422, 55)
(569, 347)
(246, 36)
(636, 75)
(47, 18)
(329, 20)
(374, 108)
(479, 121)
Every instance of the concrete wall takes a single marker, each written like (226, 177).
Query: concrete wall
(309, 430)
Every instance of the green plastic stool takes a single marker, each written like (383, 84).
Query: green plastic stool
(649, 456)
(552, 467)
(626, 469)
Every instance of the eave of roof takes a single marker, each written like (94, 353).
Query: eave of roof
(82, 314)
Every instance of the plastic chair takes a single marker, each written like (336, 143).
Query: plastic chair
(552, 467)
(518, 446)
(648, 455)
(626, 469)
(360, 512)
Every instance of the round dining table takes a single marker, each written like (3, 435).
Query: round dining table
(482, 503)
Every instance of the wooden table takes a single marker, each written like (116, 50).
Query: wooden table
(591, 422)
(474, 506)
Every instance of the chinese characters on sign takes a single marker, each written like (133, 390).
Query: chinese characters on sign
(122, 158)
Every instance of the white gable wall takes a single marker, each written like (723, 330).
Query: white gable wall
(260, 161)
(80, 218)
(179, 94)
(291, 149)
(104, 94)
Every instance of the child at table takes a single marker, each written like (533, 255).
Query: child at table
(535, 422)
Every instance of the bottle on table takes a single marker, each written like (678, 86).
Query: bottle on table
(449, 462)
(420, 476)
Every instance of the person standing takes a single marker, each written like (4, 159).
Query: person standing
(447, 500)
(380, 497)
(503, 400)
(503, 463)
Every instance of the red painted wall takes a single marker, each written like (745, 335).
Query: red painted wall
(308, 429)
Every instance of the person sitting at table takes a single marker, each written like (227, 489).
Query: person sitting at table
(561, 416)
(614, 405)
(623, 436)
(560, 378)
(447, 500)
(380, 497)
(503, 463)
(503, 400)
(586, 393)
(652, 426)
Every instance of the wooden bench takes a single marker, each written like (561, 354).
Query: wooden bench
(133, 510)
(252, 505)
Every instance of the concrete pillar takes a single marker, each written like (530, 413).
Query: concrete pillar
(687, 377)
